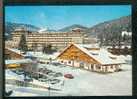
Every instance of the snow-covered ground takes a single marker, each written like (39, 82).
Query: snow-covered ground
(29, 91)
(92, 83)
(41, 55)
(84, 83)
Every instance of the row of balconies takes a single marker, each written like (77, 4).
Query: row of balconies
(50, 35)
(48, 40)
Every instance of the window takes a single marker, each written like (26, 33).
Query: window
(111, 67)
(82, 65)
(92, 66)
(69, 62)
(106, 69)
(98, 67)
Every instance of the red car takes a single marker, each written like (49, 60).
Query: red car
(70, 76)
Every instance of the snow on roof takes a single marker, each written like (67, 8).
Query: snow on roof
(105, 57)
(123, 46)
(20, 29)
(77, 28)
(14, 50)
(102, 56)
(40, 55)
(18, 61)
(89, 45)
(42, 30)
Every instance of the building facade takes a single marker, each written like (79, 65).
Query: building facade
(56, 39)
(98, 60)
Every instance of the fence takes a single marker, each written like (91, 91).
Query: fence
(27, 84)
(23, 84)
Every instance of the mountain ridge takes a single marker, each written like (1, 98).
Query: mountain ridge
(69, 28)
(106, 28)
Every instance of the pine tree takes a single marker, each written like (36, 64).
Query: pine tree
(22, 43)
(34, 47)
(47, 48)
(44, 48)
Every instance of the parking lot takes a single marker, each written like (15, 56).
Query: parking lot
(92, 83)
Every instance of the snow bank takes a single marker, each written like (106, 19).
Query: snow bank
(11, 75)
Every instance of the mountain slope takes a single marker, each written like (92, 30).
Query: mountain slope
(112, 26)
(110, 32)
(10, 27)
(69, 28)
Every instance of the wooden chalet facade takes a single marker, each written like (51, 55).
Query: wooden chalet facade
(15, 59)
(77, 56)
(11, 54)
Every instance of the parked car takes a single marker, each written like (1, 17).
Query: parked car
(28, 79)
(41, 62)
(13, 70)
(58, 74)
(54, 81)
(56, 64)
(70, 76)
(41, 79)
(51, 73)
(19, 72)
(44, 77)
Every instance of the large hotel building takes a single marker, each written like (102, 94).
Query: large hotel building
(58, 40)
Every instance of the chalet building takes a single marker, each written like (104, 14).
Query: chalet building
(16, 59)
(18, 63)
(11, 44)
(56, 39)
(93, 59)
(13, 54)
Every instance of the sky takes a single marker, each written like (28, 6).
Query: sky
(57, 17)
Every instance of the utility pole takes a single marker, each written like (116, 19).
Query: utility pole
(49, 87)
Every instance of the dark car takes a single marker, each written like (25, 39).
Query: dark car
(70, 76)
(28, 80)
(56, 64)
(49, 71)
(58, 74)
(19, 72)
(54, 81)
(41, 62)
